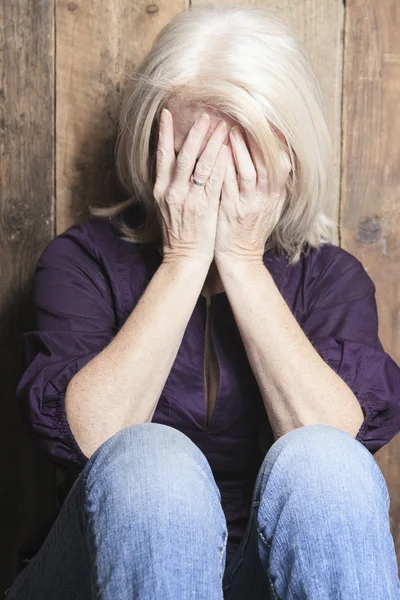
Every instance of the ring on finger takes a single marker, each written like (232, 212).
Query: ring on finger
(197, 181)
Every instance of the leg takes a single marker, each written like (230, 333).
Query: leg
(143, 520)
(319, 526)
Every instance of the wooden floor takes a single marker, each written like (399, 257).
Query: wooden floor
(62, 69)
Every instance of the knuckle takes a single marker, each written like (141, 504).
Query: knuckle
(172, 195)
(248, 178)
(263, 177)
(213, 179)
(183, 162)
(203, 168)
(161, 151)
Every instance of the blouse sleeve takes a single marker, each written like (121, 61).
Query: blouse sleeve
(342, 325)
(74, 321)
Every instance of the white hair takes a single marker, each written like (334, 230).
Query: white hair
(244, 62)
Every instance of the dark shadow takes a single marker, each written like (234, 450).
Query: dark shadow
(27, 498)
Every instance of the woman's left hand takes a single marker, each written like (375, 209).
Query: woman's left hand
(249, 210)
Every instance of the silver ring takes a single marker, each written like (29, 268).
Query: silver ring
(197, 182)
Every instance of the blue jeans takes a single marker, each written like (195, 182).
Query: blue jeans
(144, 521)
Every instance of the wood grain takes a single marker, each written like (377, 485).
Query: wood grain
(370, 214)
(26, 226)
(99, 44)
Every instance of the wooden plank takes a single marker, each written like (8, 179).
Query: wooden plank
(319, 26)
(26, 226)
(370, 224)
(108, 40)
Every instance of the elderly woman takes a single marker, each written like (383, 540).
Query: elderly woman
(206, 361)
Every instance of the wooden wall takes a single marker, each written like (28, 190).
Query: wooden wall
(62, 69)
(27, 195)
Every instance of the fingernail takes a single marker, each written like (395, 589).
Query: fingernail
(204, 118)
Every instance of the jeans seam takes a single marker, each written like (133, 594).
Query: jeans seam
(221, 554)
(268, 545)
(263, 538)
(89, 527)
(255, 505)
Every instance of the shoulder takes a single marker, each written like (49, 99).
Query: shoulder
(97, 243)
(80, 259)
(326, 275)
(329, 260)
(329, 257)
(333, 273)
(94, 253)
(92, 239)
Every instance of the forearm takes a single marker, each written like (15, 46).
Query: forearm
(297, 386)
(122, 384)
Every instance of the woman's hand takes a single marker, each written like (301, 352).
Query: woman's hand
(188, 212)
(249, 210)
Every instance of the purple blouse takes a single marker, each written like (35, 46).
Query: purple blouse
(87, 282)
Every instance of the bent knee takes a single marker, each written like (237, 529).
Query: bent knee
(154, 460)
(147, 445)
(315, 453)
(320, 444)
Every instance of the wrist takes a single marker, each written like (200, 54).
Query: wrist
(226, 263)
(187, 264)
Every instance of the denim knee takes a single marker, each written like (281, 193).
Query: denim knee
(312, 453)
(322, 500)
(151, 467)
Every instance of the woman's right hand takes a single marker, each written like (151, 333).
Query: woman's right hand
(188, 212)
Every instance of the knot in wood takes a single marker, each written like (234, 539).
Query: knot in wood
(369, 231)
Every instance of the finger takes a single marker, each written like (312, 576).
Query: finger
(260, 166)
(205, 164)
(187, 156)
(165, 156)
(216, 179)
(244, 164)
(230, 179)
